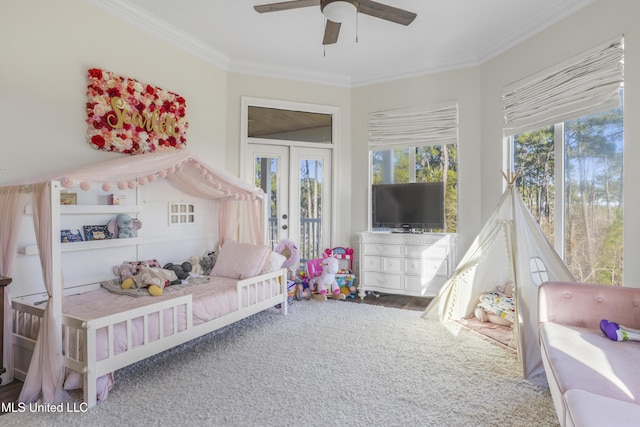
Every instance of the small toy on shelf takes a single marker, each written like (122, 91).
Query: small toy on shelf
(123, 226)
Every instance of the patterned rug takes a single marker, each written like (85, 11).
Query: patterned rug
(499, 334)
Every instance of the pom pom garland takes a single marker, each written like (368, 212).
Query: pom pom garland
(233, 193)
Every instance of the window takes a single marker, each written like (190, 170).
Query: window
(571, 180)
(565, 128)
(433, 163)
(181, 213)
(417, 144)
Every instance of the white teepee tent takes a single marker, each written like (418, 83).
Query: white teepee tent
(510, 247)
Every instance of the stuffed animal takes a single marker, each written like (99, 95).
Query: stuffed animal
(327, 279)
(125, 271)
(181, 271)
(207, 262)
(204, 264)
(196, 268)
(616, 332)
(124, 226)
(153, 278)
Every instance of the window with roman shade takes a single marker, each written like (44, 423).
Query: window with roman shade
(565, 130)
(585, 84)
(417, 144)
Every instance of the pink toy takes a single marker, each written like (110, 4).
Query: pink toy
(327, 279)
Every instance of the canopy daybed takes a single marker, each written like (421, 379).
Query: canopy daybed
(66, 334)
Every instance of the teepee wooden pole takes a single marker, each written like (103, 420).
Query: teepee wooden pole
(510, 177)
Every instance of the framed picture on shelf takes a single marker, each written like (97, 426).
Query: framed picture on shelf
(96, 232)
(73, 235)
(68, 198)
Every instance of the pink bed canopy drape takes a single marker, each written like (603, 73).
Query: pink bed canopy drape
(240, 205)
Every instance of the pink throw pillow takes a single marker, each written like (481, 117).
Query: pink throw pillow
(240, 260)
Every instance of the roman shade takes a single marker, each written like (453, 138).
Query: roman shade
(423, 125)
(585, 84)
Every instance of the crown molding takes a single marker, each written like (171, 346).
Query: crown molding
(418, 70)
(167, 32)
(298, 74)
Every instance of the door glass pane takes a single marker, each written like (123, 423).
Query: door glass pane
(311, 171)
(288, 125)
(266, 178)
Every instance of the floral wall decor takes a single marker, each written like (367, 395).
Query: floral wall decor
(127, 116)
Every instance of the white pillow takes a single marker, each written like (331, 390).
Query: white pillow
(275, 262)
(240, 260)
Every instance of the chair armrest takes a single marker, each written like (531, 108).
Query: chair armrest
(584, 305)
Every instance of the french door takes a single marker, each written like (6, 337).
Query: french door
(297, 181)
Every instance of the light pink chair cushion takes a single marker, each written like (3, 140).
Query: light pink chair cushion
(586, 409)
(582, 358)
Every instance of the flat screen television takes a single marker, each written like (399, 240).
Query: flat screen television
(407, 207)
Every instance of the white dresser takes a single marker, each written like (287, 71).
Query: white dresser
(407, 264)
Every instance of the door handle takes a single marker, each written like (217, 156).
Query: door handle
(284, 227)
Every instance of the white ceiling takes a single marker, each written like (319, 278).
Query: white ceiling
(447, 34)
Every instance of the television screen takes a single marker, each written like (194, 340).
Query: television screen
(408, 206)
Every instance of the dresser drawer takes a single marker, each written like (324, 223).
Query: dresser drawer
(381, 264)
(412, 251)
(383, 250)
(380, 280)
(427, 268)
(427, 287)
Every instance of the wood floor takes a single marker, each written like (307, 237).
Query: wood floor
(395, 301)
(11, 392)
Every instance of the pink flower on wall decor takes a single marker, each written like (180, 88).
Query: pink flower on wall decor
(127, 116)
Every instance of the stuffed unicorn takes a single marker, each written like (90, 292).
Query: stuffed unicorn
(327, 280)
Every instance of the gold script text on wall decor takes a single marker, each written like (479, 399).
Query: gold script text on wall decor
(147, 120)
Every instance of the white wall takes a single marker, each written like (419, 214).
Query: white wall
(47, 48)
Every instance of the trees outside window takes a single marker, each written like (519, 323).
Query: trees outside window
(571, 179)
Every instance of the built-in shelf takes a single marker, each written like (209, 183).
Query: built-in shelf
(99, 209)
(81, 246)
(92, 209)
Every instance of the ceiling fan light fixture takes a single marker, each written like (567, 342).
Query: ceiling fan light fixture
(339, 10)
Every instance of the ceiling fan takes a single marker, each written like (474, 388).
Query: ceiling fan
(336, 11)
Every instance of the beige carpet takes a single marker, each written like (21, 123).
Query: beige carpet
(325, 364)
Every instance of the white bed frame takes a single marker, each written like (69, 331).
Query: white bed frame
(268, 289)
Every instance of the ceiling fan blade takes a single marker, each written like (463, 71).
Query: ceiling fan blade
(285, 5)
(331, 32)
(388, 13)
